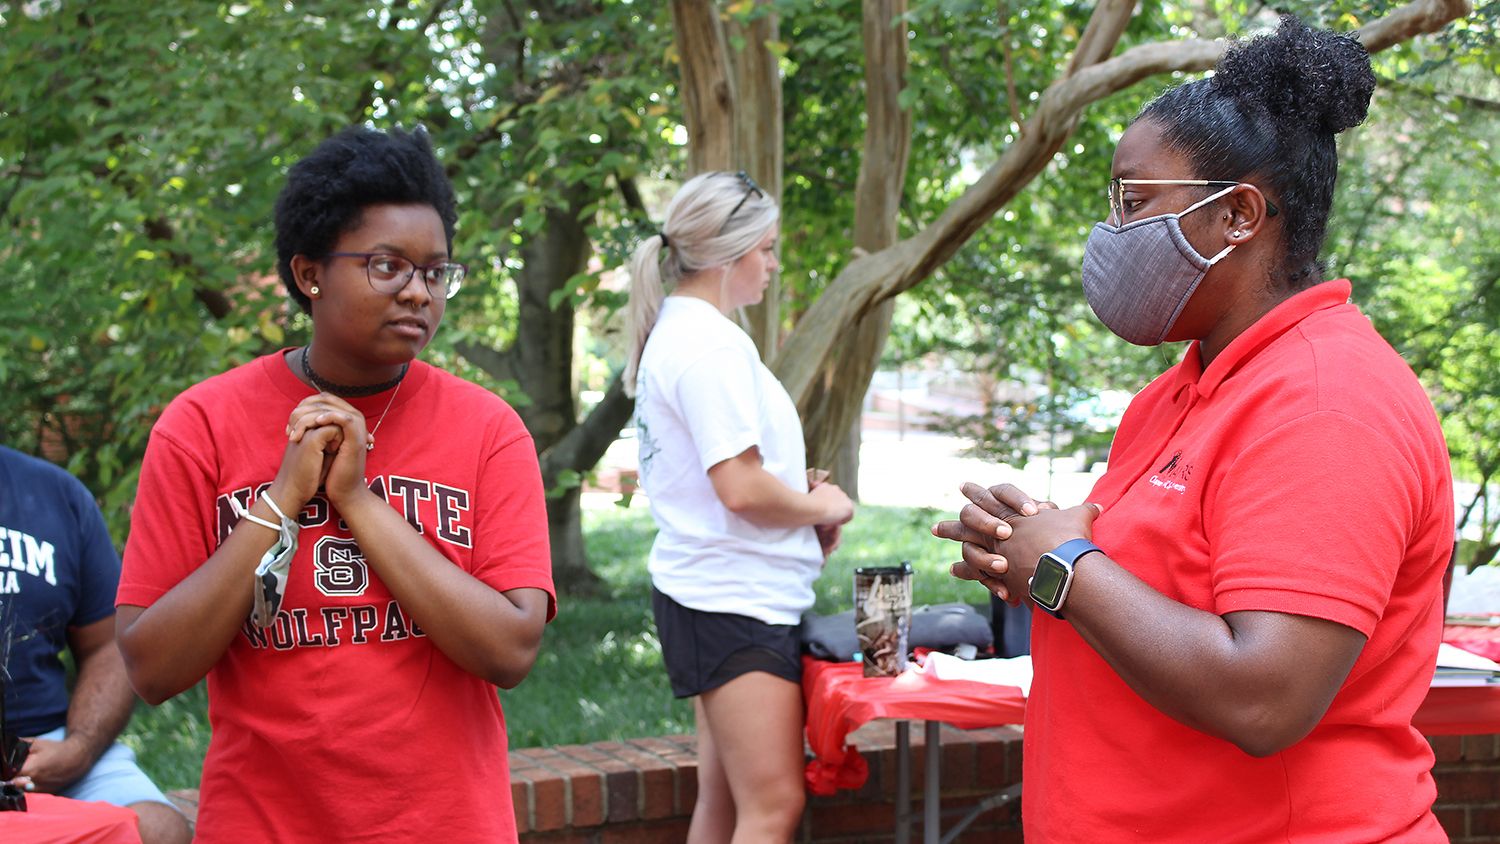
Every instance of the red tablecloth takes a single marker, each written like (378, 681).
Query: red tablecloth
(840, 699)
(49, 819)
(1459, 711)
(1476, 639)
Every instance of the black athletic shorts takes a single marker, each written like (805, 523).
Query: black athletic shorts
(705, 650)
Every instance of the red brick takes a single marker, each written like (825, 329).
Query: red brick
(992, 757)
(586, 797)
(958, 759)
(681, 752)
(549, 801)
(1475, 785)
(621, 789)
(1013, 765)
(566, 836)
(883, 759)
(653, 832)
(1484, 821)
(874, 787)
(666, 748)
(581, 752)
(520, 798)
(621, 782)
(1447, 748)
(991, 836)
(657, 779)
(1455, 820)
(857, 819)
(1482, 748)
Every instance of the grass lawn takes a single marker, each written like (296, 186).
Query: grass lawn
(599, 675)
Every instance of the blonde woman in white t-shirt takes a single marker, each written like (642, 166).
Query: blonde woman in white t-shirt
(744, 527)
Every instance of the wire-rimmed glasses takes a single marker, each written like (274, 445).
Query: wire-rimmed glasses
(1117, 193)
(389, 273)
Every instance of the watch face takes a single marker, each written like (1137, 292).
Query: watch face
(1047, 581)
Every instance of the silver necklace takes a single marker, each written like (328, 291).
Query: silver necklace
(370, 444)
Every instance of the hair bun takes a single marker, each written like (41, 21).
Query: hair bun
(1301, 76)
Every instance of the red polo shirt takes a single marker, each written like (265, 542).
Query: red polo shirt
(1302, 472)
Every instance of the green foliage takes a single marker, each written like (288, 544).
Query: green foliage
(141, 148)
(1413, 228)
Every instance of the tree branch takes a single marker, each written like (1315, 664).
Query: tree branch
(497, 364)
(630, 193)
(1010, 70)
(865, 282)
(159, 230)
(581, 448)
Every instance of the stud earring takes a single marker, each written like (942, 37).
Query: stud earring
(314, 290)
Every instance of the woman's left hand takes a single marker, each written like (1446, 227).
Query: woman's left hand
(344, 468)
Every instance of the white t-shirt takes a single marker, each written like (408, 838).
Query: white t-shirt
(702, 397)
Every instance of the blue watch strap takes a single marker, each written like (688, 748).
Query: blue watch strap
(1075, 548)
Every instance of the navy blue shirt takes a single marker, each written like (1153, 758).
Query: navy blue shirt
(58, 570)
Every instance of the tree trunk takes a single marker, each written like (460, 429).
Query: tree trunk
(832, 427)
(759, 146)
(543, 365)
(870, 280)
(707, 85)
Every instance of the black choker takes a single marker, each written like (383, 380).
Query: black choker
(344, 390)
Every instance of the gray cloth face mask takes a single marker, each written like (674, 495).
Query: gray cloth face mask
(1138, 277)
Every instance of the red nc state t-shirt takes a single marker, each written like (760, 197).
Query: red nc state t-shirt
(341, 721)
(1303, 472)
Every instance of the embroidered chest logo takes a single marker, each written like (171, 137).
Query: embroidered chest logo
(1173, 474)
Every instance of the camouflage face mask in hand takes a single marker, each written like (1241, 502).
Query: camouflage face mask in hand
(275, 564)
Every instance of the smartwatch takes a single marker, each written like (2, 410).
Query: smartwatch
(1054, 574)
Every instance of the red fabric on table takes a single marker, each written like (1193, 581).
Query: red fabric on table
(50, 819)
(840, 699)
(1459, 711)
(1484, 641)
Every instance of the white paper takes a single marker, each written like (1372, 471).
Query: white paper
(1452, 657)
(1015, 671)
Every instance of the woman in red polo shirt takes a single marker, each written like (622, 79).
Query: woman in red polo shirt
(1236, 630)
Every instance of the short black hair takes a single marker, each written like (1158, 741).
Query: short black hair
(327, 192)
(1268, 116)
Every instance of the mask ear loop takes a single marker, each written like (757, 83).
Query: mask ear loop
(1199, 204)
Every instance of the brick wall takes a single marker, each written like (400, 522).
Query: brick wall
(642, 791)
(1468, 781)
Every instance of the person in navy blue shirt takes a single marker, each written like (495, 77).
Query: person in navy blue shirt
(58, 575)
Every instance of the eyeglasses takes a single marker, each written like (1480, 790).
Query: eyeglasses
(390, 273)
(751, 189)
(1117, 192)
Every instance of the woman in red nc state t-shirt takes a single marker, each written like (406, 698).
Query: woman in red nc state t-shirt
(353, 645)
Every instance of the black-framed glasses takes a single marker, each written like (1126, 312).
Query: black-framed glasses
(389, 273)
(1117, 192)
(751, 189)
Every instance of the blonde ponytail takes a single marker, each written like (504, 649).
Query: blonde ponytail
(646, 294)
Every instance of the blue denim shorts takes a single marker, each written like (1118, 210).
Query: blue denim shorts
(114, 779)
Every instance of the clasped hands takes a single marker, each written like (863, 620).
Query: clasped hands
(1003, 532)
(326, 445)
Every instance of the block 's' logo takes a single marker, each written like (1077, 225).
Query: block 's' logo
(340, 567)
